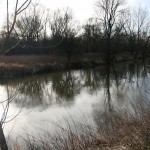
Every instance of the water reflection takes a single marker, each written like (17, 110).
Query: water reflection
(124, 87)
(59, 87)
(66, 85)
(92, 92)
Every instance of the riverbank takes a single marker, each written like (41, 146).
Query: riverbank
(123, 132)
(122, 123)
(12, 66)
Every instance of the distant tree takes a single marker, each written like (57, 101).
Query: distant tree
(91, 35)
(30, 27)
(64, 31)
(136, 28)
(119, 37)
(141, 22)
(108, 13)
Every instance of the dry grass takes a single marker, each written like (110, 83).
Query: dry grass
(124, 131)
(25, 65)
(129, 127)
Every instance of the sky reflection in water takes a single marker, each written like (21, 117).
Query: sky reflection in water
(78, 95)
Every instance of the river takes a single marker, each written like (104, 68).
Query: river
(41, 102)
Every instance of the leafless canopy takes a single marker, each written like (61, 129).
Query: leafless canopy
(19, 8)
(17, 11)
(108, 11)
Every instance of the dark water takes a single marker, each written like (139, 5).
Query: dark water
(81, 95)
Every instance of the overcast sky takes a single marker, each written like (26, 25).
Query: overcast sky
(82, 9)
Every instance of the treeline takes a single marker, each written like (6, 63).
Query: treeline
(115, 30)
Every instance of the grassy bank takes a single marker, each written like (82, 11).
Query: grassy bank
(25, 65)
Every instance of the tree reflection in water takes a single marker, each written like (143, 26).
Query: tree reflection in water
(125, 87)
(66, 85)
(63, 87)
(99, 92)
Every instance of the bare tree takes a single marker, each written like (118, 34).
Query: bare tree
(10, 28)
(31, 25)
(108, 13)
(64, 29)
(91, 34)
(11, 24)
(5, 105)
(136, 27)
(17, 11)
(141, 23)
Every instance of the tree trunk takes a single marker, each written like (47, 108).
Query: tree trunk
(3, 144)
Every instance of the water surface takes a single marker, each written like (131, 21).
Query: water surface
(41, 101)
